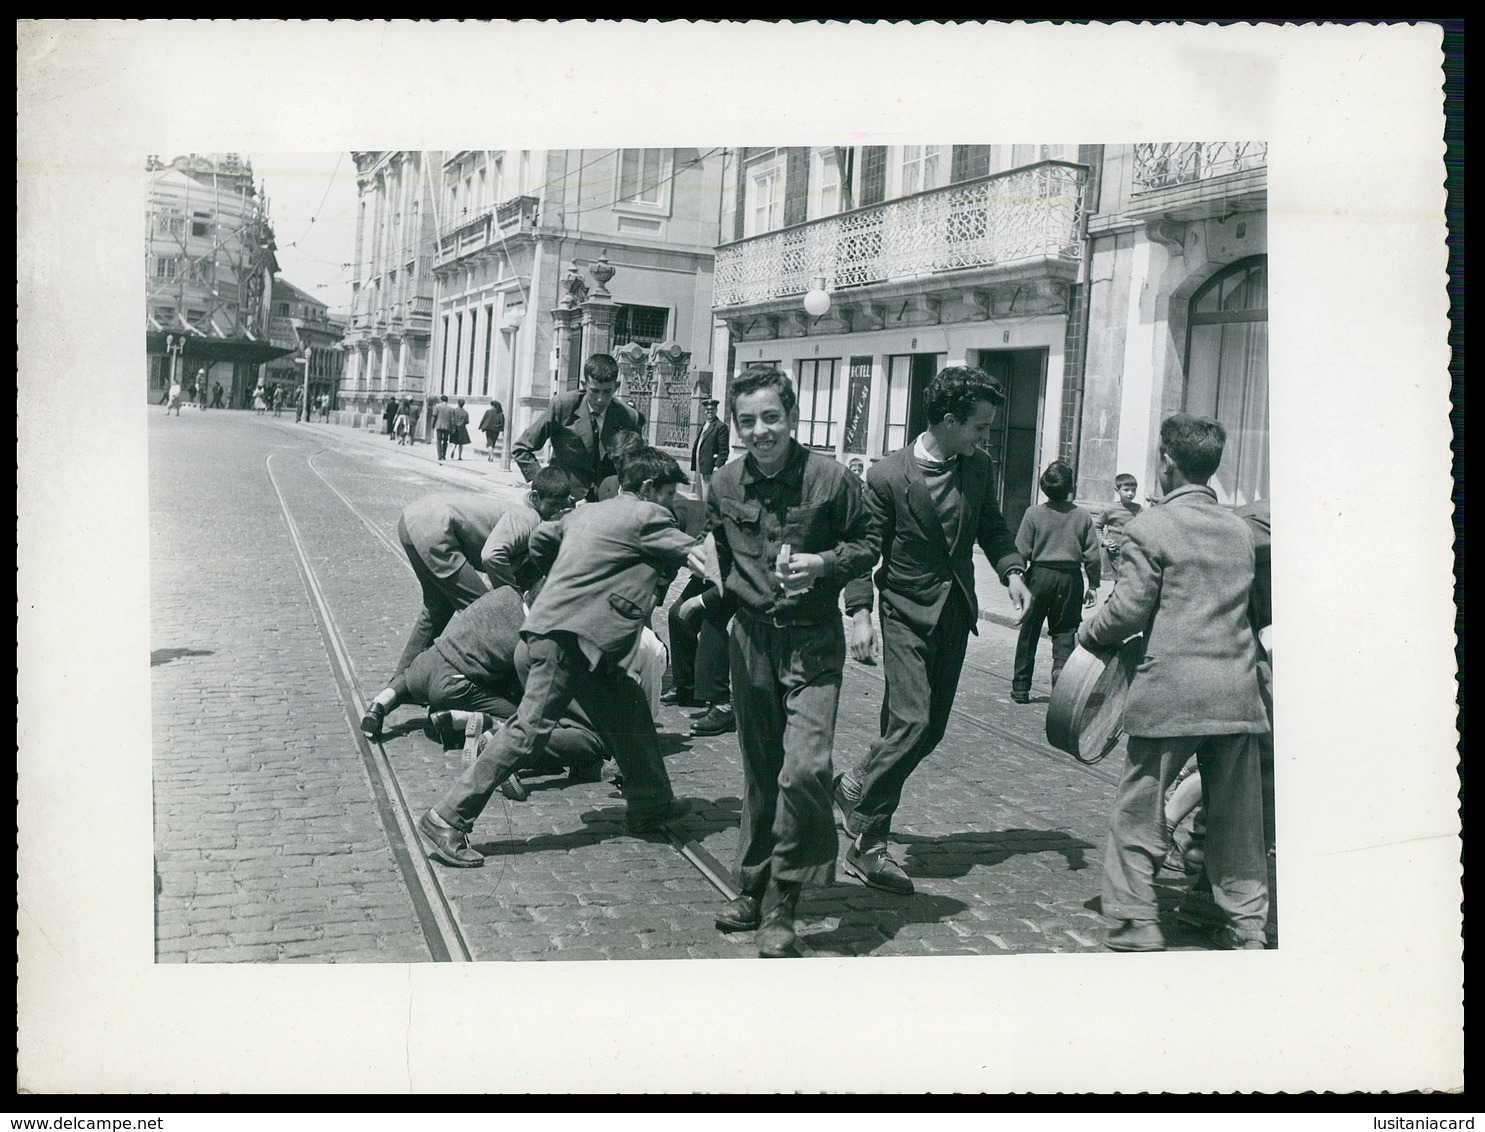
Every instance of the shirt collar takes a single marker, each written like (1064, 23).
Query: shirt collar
(1191, 489)
(791, 473)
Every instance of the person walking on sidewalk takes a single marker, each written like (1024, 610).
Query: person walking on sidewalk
(1057, 538)
(930, 503)
(459, 429)
(1185, 581)
(443, 426)
(492, 424)
(216, 395)
(403, 425)
(790, 530)
(607, 560)
(173, 396)
(389, 418)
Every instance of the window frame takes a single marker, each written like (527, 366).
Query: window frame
(814, 422)
(776, 167)
(821, 158)
(665, 172)
(897, 164)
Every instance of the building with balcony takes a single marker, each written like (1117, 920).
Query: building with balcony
(209, 264)
(388, 341)
(1089, 280)
(518, 230)
(1178, 307)
(302, 324)
(929, 256)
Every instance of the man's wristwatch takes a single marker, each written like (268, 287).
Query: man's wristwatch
(1012, 572)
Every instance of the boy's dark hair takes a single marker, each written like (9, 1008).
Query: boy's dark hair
(601, 368)
(1194, 444)
(1125, 478)
(755, 380)
(646, 463)
(957, 390)
(1057, 481)
(625, 444)
(443, 398)
(551, 483)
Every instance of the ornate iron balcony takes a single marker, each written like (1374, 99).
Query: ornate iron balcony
(1035, 212)
(1163, 165)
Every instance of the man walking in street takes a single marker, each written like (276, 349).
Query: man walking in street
(581, 427)
(492, 424)
(790, 531)
(443, 425)
(216, 395)
(712, 448)
(930, 503)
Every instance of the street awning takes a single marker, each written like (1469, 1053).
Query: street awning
(200, 348)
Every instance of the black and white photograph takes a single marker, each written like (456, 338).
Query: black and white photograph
(845, 541)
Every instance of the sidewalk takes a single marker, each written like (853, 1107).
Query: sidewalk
(995, 601)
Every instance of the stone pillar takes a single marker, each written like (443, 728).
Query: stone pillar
(567, 332)
(672, 394)
(599, 312)
(635, 384)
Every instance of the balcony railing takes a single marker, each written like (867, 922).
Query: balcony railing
(1031, 213)
(486, 230)
(1164, 165)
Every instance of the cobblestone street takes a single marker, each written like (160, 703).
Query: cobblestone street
(274, 841)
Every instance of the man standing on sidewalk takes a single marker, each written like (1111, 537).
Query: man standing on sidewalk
(443, 425)
(930, 503)
(790, 531)
(713, 446)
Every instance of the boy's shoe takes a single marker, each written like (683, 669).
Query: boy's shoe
(651, 821)
(874, 867)
(1021, 697)
(441, 727)
(371, 722)
(589, 770)
(1137, 935)
(718, 720)
(776, 939)
(450, 845)
(740, 915)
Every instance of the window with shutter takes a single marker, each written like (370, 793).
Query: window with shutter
(873, 174)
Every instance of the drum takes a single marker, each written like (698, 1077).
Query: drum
(1085, 716)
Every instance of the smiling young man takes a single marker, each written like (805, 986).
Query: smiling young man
(930, 503)
(787, 647)
(581, 427)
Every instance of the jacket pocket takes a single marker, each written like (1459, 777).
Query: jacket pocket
(744, 523)
(807, 527)
(625, 608)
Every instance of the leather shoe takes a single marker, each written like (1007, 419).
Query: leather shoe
(718, 720)
(847, 805)
(776, 938)
(371, 722)
(450, 845)
(589, 770)
(1137, 935)
(441, 726)
(642, 823)
(1021, 697)
(874, 867)
(740, 915)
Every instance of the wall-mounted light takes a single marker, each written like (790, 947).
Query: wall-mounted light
(817, 299)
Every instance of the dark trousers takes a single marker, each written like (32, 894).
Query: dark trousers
(616, 705)
(1057, 599)
(442, 598)
(922, 674)
(443, 442)
(698, 658)
(432, 680)
(785, 690)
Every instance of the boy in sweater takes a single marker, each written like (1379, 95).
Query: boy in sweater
(1056, 538)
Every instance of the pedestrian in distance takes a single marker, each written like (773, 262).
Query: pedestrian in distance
(278, 400)
(216, 396)
(389, 418)
(260, 401)
(492, 424)
(1185, 581)
(930, 503)
(606, 561)
(856, 468)
(712, 449)
(790, 531)
(1057, 540)
(459, 432)
(325, 408)
(173, 395)
(1110, 523)
(581, 427)
(443, 426)
(442, 536)
(403, 425)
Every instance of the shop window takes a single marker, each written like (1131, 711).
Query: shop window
(1227, 373)
(816, 402)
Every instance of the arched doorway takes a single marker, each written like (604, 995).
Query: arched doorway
(1227, 373)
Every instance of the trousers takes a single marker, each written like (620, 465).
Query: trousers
(432, 680)
(698, 658)
(786, 690)
(614, 703)
(442, 598)
(1057, 600)
(1232, 796)
(922, 674)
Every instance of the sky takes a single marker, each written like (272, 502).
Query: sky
(312, 207)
